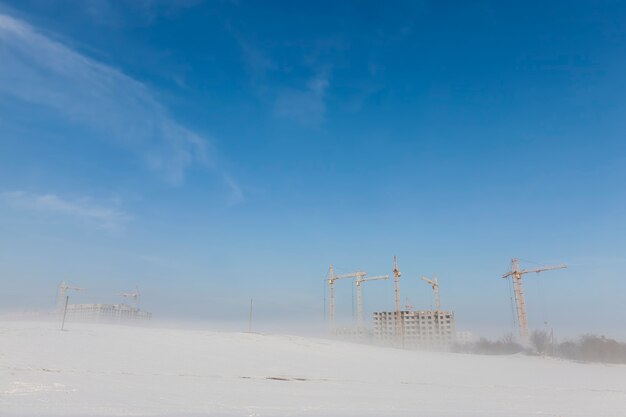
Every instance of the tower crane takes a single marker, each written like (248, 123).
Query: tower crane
(331, 284)
(62, 289)
(133, 295)
(516, 275)
(396, 285)
(359, 295)
(435, 285)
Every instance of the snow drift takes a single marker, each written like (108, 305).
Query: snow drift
(108, 370)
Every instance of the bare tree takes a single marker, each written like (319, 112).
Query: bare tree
(540, 341)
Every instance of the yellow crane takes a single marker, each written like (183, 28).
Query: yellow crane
(516, 275)
(435, 285)
(359, 295)
(331, 284)
(396, 285)
(62, 289)
(133, 295)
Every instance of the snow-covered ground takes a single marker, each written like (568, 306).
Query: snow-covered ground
(107, 370)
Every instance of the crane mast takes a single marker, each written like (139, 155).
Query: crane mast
(62, 289)
(359, 295)
(331, 286)
(516, 275)
(435, 286)
(396, 284)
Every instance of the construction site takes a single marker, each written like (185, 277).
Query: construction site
(417, 328)
(400, 326)
(116, 313)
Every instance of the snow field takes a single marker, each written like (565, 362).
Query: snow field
(108, 370)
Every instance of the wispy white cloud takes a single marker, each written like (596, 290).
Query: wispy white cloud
(39, 70)
(236, 194)
(132, 13)
(304, 102)
(106, 217)
(305, 106)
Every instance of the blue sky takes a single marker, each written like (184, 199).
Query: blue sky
(210, 152)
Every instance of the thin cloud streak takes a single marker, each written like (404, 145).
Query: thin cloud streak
(236, 194)
(306, 107)
(305, 104)
(108, 218)
(143, 12)
(38, 70)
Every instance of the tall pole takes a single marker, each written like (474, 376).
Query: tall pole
(396, 283)
(352, 300)
(331, 297)
(67, 299)
(359, 304)
(324, 295)
(250, 318)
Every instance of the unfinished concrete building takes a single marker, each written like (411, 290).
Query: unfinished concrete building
(99, 312)
(105, 312)
(429, 329)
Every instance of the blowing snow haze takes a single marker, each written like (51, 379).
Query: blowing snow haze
(210, 153)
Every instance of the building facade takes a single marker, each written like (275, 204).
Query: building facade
(105, 312)
(429, 329)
